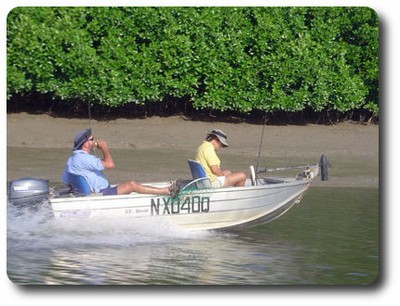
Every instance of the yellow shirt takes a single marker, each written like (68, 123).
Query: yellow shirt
(207, 157)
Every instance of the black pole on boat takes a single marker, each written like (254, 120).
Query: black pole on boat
(324, 163)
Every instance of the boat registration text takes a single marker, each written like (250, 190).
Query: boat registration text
(186, 205)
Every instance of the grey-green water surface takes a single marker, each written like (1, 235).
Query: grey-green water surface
(330, 238)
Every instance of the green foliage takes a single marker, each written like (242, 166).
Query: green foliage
(222, 58)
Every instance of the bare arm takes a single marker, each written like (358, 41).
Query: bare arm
(107, 160)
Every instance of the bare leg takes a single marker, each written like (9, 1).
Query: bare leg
(132, 186)
(236, 179)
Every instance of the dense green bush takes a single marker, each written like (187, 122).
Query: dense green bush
(241, 59)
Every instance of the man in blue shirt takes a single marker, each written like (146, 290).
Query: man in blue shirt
(91, 167)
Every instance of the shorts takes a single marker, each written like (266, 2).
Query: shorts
(219, 182)
(109, 190)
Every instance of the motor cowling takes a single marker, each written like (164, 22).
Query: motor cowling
(25, 192)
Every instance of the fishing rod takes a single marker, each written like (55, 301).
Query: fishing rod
(261, 141)
(96, 144)
(90, 114)
(265, 170)
(323, 164)
(254, 170)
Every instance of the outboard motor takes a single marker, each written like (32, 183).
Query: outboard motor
(28, 192)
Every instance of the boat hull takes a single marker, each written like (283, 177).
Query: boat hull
(205, 209)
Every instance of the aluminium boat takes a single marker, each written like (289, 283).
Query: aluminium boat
(196, 207)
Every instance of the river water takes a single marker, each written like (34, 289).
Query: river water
(330, 238)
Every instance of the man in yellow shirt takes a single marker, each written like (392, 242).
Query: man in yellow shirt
(206, 155)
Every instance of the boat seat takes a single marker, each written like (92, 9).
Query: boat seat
(198, 174)
(197, 169)
(80, 185)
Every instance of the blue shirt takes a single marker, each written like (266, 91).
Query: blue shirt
(89, 166)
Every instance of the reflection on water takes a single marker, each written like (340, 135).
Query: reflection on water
(330, 238)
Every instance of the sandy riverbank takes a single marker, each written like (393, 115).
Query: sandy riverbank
(353, 149)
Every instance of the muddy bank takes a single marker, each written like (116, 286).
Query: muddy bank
(157, 148)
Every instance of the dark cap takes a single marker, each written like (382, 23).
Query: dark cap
(81, 138)
(220, 135)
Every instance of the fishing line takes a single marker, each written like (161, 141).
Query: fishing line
(90, 126)
(90, 115)
(261, 141)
